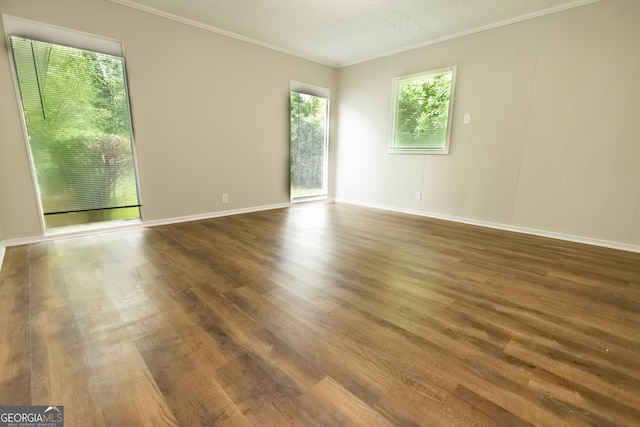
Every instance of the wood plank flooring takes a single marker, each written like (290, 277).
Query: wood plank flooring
(322, 314)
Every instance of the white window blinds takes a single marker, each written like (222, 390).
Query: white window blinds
(77, 115)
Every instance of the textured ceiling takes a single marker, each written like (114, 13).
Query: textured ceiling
(342, 32)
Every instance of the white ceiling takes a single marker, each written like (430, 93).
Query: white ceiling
(343, 32)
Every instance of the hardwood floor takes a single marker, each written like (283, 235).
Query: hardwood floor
(322, 314)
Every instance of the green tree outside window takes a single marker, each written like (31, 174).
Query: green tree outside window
(76, 111)
(423, 105)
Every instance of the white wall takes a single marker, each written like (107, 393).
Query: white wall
(554, 143)
(210, 113)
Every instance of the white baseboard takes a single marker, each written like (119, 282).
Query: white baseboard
(124, 225)
(155, 223)
(2, 251)
(523, 230)
(175, 220)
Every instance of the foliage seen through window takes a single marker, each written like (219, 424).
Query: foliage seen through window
(422, 109)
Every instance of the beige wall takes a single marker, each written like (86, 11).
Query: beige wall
(210, 114)
(554, 143)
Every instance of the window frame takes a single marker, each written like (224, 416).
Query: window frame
(319, 92)
(39, 31)
(394, 148)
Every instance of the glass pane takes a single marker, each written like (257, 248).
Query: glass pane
(422, 111)
(308, 145)
(77, 115)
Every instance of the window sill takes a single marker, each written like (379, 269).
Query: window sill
(393, 150)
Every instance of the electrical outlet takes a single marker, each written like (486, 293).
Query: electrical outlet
(225, 198)
(418, 195)
(467, 118)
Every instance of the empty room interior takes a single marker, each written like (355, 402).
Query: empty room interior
(339, 213)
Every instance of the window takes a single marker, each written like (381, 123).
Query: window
(76, 111)
(423, 105)
(309, 141)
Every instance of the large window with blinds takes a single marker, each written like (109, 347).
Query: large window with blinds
(78, 121)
